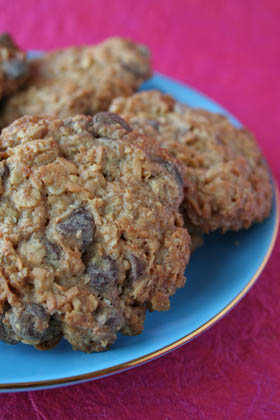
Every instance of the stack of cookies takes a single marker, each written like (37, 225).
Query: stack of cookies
(105, 192)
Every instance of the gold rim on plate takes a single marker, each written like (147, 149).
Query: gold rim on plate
(164, 350)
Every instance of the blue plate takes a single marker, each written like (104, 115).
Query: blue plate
(219, 275)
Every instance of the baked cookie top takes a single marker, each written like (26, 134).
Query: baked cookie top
(230, 184)
(80, 80)
(14, 69)
(90, 232)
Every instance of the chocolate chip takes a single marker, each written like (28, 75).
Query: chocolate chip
(103, 276)
(14, 69)
(135, 70)
(110, 118)
(172, 169)
(53, 250)
(110, 317)
(37, 310)
(51, 335)
(80, 225)
(26, 324)
(137, 268)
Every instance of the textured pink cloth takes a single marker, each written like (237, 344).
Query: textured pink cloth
(230, 50)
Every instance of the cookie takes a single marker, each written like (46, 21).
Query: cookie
(229, 181)
(90, 232)
(14, 69)
(80, 80)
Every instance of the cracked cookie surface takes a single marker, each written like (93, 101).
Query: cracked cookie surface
(229, 185)
(90, 232)
(80, 80)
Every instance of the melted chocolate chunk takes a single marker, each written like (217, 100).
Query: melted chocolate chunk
(110, 317)
(104, 276)
(52, 334)
(80, 225)
(137, 268)
(26, 324)
(110, 118)
(172, 169)
(37, 310)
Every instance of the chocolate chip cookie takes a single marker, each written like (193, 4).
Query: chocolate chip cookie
(90, 232)
(229, 185)
(14, 68)
(80, 80)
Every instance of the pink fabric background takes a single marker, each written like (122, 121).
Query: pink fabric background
(229, 49)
